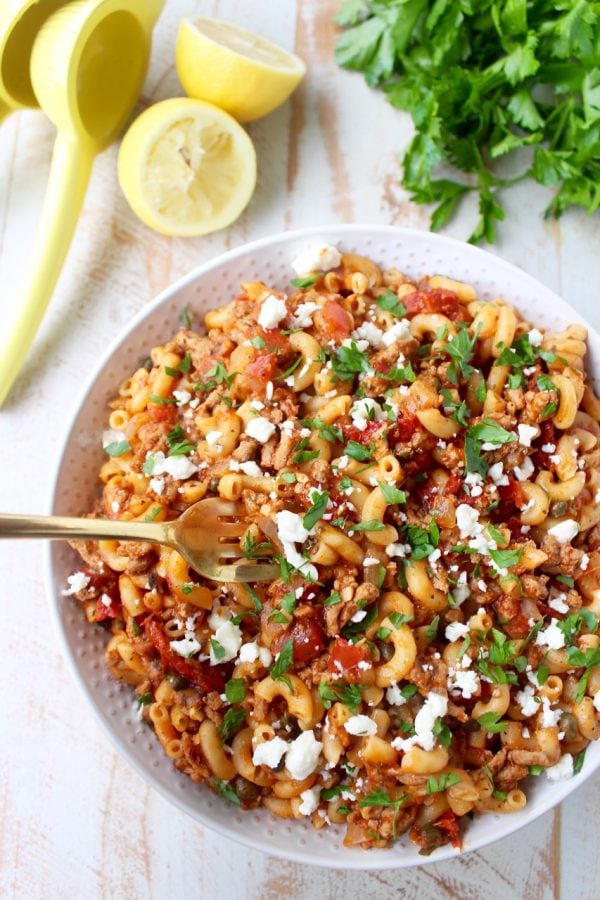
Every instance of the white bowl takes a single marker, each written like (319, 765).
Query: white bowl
(75, 485)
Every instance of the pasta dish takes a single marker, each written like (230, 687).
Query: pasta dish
(423, 466)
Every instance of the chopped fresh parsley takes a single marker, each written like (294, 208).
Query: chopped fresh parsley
(358, 451)
(392, 494)
(118, 448)
(491, 722)
(327, 432)
(333, 599)
(432, 630)
(349, 361)
(578, 762)
(369, 525)
(217, 649)
(235, 690)
(380, 797)
(185, 318)
(458, 411)
(232, 721)
(144, 699)
(319, 505)
(445, 780)
(305, 281)
(283, 663)
(256, 601)
(461, 349)
(506, 558)
(348, 694)
(389, 302)
(226, 791)
(301, 454)
(423, 541)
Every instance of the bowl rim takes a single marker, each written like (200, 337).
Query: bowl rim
(331, 232)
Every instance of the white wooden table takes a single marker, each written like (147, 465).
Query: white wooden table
(75, 820)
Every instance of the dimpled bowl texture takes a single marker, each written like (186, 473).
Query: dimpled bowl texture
(75, 486)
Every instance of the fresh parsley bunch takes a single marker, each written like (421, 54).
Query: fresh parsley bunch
(481, 80)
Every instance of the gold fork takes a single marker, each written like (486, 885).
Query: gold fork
(207, 535)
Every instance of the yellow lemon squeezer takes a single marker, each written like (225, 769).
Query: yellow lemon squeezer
(88, 64)
(20, 21)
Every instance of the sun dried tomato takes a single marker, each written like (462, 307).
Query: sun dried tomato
(403, 430)
(163, 412)
(448, 822)
(262, 368)
(344, 657)
(352, 433)
(203, 677)
(511, 498)
(436, 301)
(336, 321)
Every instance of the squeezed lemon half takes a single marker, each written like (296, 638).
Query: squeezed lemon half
(186, 167)
(233, 68)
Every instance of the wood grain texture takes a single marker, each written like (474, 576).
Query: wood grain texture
(75, 820)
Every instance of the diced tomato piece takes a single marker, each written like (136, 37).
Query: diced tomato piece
(448, 822)
(112, 611)
(453, 484)
(352, 433)
(511, 498)
(344, 657)
(274, 340)
(336, 320)
(262, 368)
(403, 430)
(162, 412)
(308, 638)
(203, 677)
(436, 301)
(547, 436)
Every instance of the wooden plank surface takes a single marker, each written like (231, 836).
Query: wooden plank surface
(75, 820)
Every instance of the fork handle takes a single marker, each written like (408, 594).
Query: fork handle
(61, 527)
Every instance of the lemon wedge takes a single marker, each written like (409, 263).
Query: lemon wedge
(187, 168)
(233, 68)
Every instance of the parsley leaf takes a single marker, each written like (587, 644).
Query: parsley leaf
(226, 791)
(305, 281)
(358, 451)
(118, 448)
(389, 303)
(348, 694)
(349, 361)
(445, 780)
(232, 721)
(392, 494)
(235, 690)
(319, 505)
(283, 663)
(491, 722)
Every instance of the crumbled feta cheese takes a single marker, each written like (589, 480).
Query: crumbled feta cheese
(269, 753)
(248, 652)
(467, 683)
(252, 469)
(370, 561)
(497, 474)
(467, 519)
(527, 701)
(525, 470)
(260, 429)
(310, 801)
(182, 397)
(213, 437)
(229, 636)
(535, 337)
(265, 656)
(302, 317)
(549, 448)
(475, 482)
(435, 706)
(368, 332)
(178, 467)
(364, 411)
(360, 725)
(461, 590)
(78, 581)
(291, 531)
(562, 770)
(550, 717)
(359, 615)
(157, 485)
(597, 701)
(397, 550)
(110, 436)
(272, 311)
(302, 757)
(455, 631)
(526, 434)
(400, 331)
(564, 531)
(584, 562)
(558, 603)
(394, 697)
(185, 646)
(551, 636)
(319, 258)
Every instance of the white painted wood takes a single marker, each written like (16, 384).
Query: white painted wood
(75, 821)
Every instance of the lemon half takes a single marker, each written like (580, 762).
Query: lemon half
(236, 69)
(186, 167)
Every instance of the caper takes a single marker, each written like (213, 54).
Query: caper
(246, 791)
(568, 724)
(559, 508)
(386, 650)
